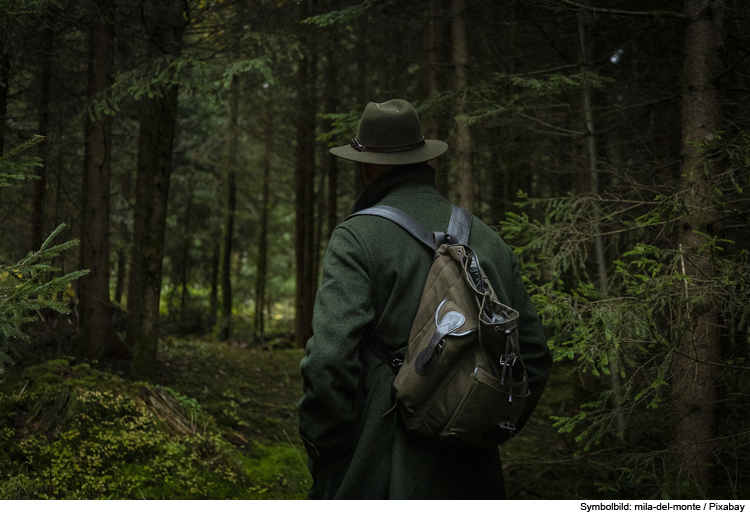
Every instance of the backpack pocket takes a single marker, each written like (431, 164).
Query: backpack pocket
(487, 411)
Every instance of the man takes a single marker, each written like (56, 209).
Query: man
(373, 276)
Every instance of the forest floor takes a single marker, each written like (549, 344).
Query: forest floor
(220, 422)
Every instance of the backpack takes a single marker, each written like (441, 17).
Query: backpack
(462, 379)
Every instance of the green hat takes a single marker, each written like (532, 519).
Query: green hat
(390, 134)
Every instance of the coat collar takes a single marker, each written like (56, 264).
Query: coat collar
(402, 179)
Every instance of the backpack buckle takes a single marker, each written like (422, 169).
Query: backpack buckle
(396, 364)
(506, 363)
(507, 426)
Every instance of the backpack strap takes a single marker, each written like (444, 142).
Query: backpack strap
(459, 226)
(380, 350)
(399, 217)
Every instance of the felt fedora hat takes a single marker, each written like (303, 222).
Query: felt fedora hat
(390, 134)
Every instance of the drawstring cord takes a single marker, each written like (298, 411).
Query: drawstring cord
(507, 360)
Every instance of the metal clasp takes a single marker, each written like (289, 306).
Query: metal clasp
(504, 362)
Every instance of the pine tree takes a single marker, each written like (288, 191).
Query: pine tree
(28, 285)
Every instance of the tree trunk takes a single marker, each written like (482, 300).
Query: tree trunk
(96, 331)
(585, 53)
(185, 264)
(122, 258)
(303, 200)
(694, 381)
(262, 271)
(4, 86)
(213, 298)
(40, 184)
(332, 167)
(224, 326)
(311, 241)
(432, 122)
(319, 220)
(498, 185)
(332, 200)
(156, 137)
(120, 279)
(463, 133)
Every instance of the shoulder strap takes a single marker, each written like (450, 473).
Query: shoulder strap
(402, 219)
(459, 226)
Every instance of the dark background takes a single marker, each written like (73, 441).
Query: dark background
(186, 147)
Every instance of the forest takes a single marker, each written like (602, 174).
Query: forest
(167, 195)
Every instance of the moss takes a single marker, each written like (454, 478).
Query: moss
(76, 433)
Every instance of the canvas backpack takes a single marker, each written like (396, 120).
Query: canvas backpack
(462, 379)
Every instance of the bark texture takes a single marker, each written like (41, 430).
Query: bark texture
(227, 234)
(585, 24)
(461, 84)
(694, 374)
(157, 126)
(262, 269)
(332, 168)
(304, 178)
(431, 121)
(4, 85)
(96, 331)
(40, 184)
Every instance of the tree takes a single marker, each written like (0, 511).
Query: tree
(156, 137)
(40, 184)
(694, 366)
(304, 190)
(676, 289)
(463, 133)
(96, 332)
(261, 279)
(227, 233)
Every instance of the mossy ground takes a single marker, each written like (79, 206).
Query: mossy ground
(219, 423)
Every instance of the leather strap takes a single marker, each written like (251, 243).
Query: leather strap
(356, 145)
(372, 343)
(449, 322)
(399, 217)
(459, 226)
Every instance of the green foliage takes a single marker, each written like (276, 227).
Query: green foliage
(15, 11)
(74, 432)
(152, 78)
(531, 98)
(29, 285)
(342, 125)
(633, 332)
(344, 15)
(14, 167)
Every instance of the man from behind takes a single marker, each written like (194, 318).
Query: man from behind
(374, 273)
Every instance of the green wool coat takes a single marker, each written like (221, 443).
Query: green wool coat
(373, 275)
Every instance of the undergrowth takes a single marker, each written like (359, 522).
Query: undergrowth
(71, 431)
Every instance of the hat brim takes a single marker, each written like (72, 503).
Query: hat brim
(431, 149)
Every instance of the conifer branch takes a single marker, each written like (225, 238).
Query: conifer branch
(647, 14)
